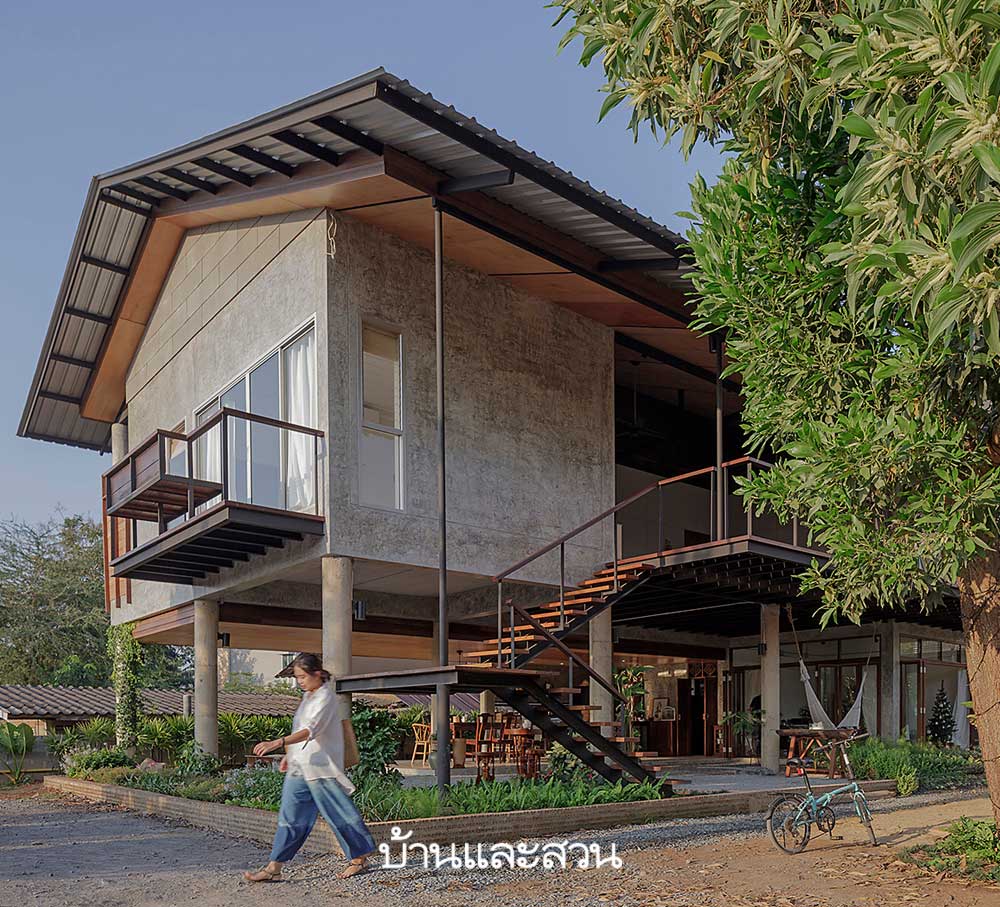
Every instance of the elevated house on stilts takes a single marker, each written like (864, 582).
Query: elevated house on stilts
(377, 382)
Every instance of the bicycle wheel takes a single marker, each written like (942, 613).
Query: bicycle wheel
(789, 824)
(865, 815)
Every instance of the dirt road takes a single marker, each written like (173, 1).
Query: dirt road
(56, 852)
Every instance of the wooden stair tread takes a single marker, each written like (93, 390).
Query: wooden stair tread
(585, 708)
(623, 739)
(566, 690)
(605, 723)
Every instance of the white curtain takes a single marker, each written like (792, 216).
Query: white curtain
(961, 711)
(300, 406)
(869, 702)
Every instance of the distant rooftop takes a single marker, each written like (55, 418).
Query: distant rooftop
(52, 702)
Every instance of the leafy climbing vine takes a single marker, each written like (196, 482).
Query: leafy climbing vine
(126, 654)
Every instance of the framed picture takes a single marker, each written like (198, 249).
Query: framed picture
(663, 710)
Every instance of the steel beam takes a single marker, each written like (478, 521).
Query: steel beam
(89, 316)
(71, 360)
(160, 186)
(230, 173)
(105, 265)
(301, 143)
(350, 134)
(652, 352)
(190, 179)
(61, 398)
(492, 180)
(265, 160)
(137, 194)
(109, 199)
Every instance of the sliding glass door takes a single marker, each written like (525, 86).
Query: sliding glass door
(268, 466)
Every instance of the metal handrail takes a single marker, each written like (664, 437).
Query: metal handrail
(631, 499)
(566, 650)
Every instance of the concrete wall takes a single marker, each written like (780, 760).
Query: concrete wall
(530, 395)
(234, 292)
(530, 413)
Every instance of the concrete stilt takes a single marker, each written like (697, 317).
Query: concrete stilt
(770, 687)
(206, 675)
(338, 593)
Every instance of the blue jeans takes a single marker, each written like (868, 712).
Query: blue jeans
(302, 801)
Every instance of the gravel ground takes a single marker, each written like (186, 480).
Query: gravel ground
(60, 851)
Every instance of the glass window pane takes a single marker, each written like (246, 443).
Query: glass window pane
(909, 648)
(266, 487)
(380, 378)
(264, 389)
(379, 484)
(238, 455)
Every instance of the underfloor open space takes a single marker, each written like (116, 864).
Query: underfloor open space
(56, 851)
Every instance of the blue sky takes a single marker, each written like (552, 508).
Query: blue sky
(88, 87)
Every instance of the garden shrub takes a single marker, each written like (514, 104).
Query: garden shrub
(566, 766)
(80, 764)
(114, 774)
(914, 766)
(259, 788)
(193, 760)
(379, 734)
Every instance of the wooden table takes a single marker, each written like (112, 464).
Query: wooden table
(803, 740)
(526, 755)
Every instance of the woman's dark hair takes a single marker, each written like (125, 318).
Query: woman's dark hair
(309, 663)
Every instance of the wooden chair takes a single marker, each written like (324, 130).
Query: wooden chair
(487, 745)
(422, 744)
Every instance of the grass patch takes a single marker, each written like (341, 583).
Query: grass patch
(971, 850)
(915, 766)
(382, 798)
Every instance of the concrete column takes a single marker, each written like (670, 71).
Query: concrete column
(119, 442)
(206, 675)
(487, 702)
(770, 686)
(338, 622)
(889, 681)
(602, 661)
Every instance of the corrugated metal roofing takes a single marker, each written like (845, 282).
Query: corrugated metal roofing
(121, 204)
(47, 702)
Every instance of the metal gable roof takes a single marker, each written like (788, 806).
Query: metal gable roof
(374, 110)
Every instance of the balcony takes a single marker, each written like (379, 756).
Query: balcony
(192, 504)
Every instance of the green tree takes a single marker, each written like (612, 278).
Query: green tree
(51, 598)
(849, 253)
(53, 626)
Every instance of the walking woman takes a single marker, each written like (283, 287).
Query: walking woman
(314, 783)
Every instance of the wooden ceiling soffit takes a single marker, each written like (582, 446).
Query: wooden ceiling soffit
(564, 251)
(105, 393)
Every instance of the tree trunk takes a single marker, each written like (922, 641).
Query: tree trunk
(979, 586)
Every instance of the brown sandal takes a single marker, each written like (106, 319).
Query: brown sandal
(262, 875)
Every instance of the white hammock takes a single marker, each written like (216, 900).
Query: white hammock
(818, 714)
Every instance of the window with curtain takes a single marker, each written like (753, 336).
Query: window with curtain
(380, 482)
(268, 466)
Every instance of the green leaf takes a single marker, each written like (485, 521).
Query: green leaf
(955, 86)
(988, 157)
(990, 71)
(973, 219)
(993, 332)
(910, 247)
(943, 316)
(945, 134)
(855, 125)
(758, 33)
(977, 245)
(611, 101)
(641, 21)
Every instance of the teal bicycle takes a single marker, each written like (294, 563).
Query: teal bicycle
(790, 820)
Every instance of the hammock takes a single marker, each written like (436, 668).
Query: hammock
(817, 713)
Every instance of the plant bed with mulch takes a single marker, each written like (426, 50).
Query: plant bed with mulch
(970, 850)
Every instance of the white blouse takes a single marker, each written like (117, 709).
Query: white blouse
(323, 753)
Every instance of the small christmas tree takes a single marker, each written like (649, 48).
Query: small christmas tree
(941, 726)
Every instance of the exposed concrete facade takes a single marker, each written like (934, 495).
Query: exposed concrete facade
(770, 686)
(530, 401)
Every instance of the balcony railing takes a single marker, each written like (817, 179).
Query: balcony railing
(235, 460)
